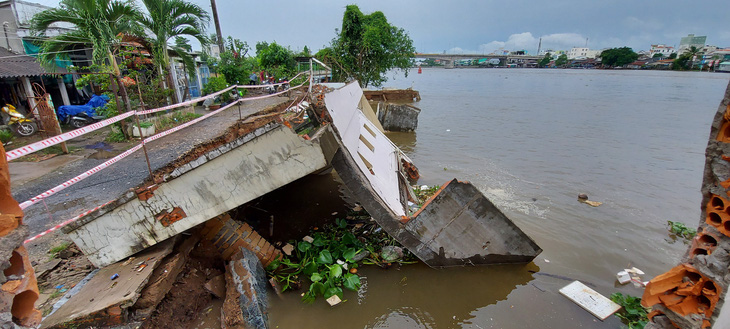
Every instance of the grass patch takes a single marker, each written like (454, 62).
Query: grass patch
(633, 314)
(61, 247)
(6, 136)
(115, 137)
(167, 122)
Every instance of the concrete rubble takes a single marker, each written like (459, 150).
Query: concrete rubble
(692, 294)
(246, 301)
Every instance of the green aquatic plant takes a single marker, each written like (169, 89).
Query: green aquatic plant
(325, 261)
(633, 315)
(681, 230)
(330, 259)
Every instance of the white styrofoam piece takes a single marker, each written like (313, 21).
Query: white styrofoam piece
(590, 300)
(623, 277)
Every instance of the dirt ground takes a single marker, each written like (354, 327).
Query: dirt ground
(59, 273)
(189, 298)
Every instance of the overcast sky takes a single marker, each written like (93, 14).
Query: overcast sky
(464, 26)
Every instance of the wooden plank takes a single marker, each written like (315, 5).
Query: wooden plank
(590, 300)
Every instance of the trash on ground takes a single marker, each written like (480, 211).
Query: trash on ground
(583, 198)
(590, 300)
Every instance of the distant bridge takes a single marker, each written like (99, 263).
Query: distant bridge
(449, 59)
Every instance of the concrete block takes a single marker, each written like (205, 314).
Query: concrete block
(246, 304)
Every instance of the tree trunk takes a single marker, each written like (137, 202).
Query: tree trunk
(123, 91)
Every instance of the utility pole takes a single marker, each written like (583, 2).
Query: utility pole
(539, 45)
(217, 26)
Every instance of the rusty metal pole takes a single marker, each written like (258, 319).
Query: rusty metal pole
(136, 119)
(239, 109)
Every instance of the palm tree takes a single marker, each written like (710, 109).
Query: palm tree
(97, 23)
(167, 19)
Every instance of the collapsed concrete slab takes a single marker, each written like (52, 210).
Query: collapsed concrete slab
(213, 180)
(457, 226)
(246, 304)
(398, 117)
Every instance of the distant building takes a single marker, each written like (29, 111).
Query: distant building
(578, 53)
(692, 40)
(583, 53)
(661, 49)
(214, 51)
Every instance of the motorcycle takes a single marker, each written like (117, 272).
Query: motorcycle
(78, 116)
(81, 119)
(21, 125)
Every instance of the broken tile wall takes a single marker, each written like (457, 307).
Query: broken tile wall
(19, 285)
(692, 294)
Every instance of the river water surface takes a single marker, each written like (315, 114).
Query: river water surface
(532, 140)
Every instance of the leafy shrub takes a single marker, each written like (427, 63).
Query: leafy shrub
(217, 84)
(6, 136)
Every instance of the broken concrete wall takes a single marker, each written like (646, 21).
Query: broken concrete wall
(393, 95)
(19, 285)
(217, 181)
(398, 117)
(692, 294)
(246, 304)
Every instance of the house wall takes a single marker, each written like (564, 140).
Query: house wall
(9, 35)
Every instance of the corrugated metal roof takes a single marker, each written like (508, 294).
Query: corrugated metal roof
(14, 65)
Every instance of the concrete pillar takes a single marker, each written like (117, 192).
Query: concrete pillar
(64, 92)
(173, 73)
(28, 92)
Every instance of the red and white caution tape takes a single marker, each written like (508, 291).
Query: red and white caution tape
(69, 221)
(37, 146)
(186, 103)
(78, 178)
(187, 124)
(269, 85)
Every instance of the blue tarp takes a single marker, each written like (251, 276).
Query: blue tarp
(94, 103)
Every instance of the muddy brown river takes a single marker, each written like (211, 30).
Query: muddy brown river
(532, 140)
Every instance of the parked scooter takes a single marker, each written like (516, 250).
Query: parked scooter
(78, 116)
(20, 125)
(81, 119)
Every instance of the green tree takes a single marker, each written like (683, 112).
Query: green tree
(618, 56)
(167, 19)
(98, 23)
(545, 61)
(672, 56)
(276, 59)
(658, 55)
(234, 64)
(562, 60)
(367, 47)
(682, 62)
